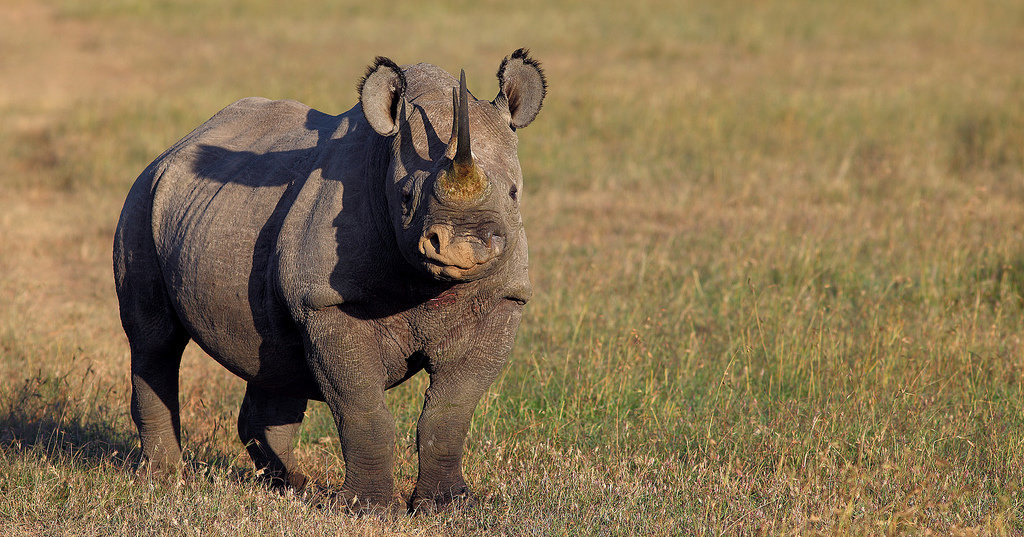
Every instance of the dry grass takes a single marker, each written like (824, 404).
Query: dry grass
(777, 252)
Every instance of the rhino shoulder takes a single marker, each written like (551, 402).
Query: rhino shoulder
(326, 243)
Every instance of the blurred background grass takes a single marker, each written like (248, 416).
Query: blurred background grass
(776, 247)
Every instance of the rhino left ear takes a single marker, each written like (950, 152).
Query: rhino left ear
(523, 86)
(381, 93)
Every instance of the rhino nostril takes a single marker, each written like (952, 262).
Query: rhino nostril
(435, 242)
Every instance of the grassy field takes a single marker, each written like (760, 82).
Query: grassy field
(777, 250)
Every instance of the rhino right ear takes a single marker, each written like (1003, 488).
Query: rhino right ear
(381, 94)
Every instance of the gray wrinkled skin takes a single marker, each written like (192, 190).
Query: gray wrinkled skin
(317, 257)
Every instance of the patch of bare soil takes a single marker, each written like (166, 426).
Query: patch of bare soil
(54, 247)
(48, 60)
(55, 270)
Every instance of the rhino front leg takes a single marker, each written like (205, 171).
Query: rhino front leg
(440, 434)
(268, 425)
(367, 432)
(352, 383)
(455, 390)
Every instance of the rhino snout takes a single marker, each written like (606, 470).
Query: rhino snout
(451, 254)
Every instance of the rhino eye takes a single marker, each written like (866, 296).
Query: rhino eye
(513, 192)
(409, 201)
(407, 193)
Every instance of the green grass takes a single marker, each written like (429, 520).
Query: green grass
(777, 251)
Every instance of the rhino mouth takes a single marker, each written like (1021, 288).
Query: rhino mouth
(450, 272)
(446, 255)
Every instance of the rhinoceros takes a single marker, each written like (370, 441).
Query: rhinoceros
(331, 258)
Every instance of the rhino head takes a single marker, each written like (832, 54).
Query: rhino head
(453, 178)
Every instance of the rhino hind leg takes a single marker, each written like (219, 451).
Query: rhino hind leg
(268, 425)
(156, 347)
(156, 336)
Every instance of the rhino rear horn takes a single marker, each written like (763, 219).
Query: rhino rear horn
(453, 140)
(459, 148)
(382, 94)
(523, 86)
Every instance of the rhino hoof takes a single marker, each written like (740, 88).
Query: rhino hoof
(295, 481)
(160, 474)
(455, 500)
(351, 504)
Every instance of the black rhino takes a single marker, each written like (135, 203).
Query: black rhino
(331, 258)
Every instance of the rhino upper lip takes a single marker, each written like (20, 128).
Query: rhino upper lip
(437, 263)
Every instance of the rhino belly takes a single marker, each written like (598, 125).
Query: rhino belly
(216, 241)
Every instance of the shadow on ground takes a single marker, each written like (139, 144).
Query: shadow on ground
(61, 420)
(54, 417)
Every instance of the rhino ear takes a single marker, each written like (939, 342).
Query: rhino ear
(523, 87)
(381, 93)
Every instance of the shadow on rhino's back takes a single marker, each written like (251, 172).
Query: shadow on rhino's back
(239, 162)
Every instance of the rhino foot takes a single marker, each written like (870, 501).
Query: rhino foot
(454, 499)
(167, 475)
(294, 481)
(351, 504)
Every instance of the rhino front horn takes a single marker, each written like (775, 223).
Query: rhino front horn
(462, 181)
(464, 155)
